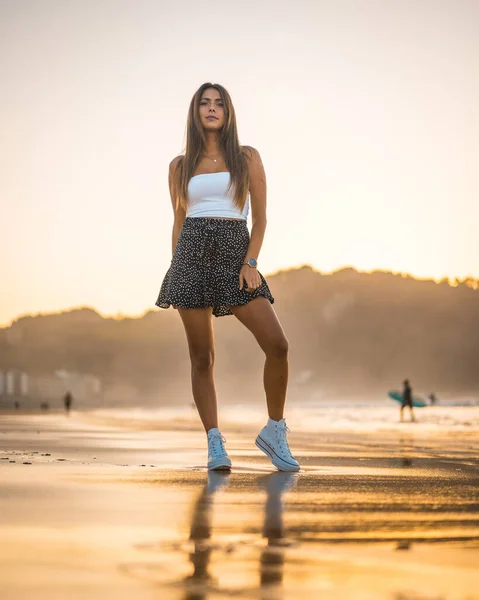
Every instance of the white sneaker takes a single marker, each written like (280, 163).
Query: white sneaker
(217, 456)
(272, 441)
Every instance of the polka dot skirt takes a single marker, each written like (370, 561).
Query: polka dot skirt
(205, 267)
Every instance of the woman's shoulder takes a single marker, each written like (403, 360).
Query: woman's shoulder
(176, 162)
(253, 159)
(250, 152)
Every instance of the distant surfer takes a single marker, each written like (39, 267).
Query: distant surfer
(407, 400)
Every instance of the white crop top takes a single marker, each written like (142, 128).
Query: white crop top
(207, 197)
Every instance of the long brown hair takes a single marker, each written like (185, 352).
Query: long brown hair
(233, 153)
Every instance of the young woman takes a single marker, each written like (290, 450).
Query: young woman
(214, 266)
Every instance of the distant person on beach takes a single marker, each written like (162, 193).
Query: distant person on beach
(214, 270)
(67, 401)
(432, 398)
(407, 400)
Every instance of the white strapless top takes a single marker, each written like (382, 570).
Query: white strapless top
(207, 197)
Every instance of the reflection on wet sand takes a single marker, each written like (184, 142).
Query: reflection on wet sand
(200, 533)
(406, 450)
(377, 517)
(272, 556)
(271, 560)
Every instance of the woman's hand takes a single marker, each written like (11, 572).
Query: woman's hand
(249, 277)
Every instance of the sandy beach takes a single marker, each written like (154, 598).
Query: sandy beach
(91, 506)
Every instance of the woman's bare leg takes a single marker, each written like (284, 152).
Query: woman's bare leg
(260, 318)
(200, 336)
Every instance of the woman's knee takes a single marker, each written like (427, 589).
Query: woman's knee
(278, 348)
(202, 360)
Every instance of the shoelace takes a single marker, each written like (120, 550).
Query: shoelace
(281, 431)
(216, 447)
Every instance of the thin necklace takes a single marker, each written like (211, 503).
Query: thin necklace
(213, 159)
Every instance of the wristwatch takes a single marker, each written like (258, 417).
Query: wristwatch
(252, 262)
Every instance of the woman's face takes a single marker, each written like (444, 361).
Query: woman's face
(212, 112)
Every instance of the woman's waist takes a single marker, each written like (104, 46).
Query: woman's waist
(215, 222)
(216, 207)
(216, 212)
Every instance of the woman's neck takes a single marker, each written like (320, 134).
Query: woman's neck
(212, 146)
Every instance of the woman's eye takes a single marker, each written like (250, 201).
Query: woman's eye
(205, 103)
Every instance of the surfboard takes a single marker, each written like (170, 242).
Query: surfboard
(417, 402)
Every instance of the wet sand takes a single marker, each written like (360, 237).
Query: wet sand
(88, 509)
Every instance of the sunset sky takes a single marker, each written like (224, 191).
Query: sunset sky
(365, 112)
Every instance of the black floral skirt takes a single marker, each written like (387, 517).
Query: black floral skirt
(205, 267)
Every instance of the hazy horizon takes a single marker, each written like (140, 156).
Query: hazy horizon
(349, 333)
(366, 115)
(121, 315)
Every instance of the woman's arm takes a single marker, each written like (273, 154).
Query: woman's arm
(257, 188)
(178, 211)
